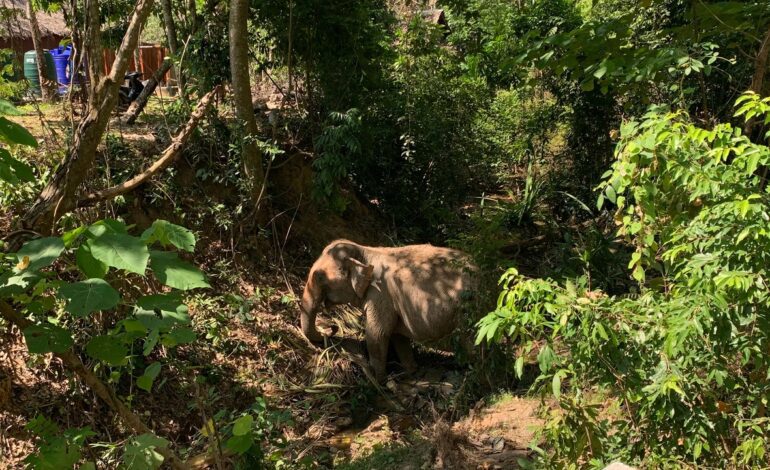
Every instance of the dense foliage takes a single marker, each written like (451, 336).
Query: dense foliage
(489, 125)
(683, 361)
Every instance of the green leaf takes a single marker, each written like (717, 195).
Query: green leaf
(151, 341)
(150, 373)
(556, 385)
(180, 335)
(107, 226)
(41, 252)
(70, 237)
(240, 444)
(141, 453)
(610, 193)
(45, 338)
(14, 171)
(243, 425)
(12, 133)
(170, 306)
(121, 251)
(167, 234)
(89, 296)
(108, 349)
(8, 109)
(91, 267)
(173, 272)
(599, 73)
(519, 366)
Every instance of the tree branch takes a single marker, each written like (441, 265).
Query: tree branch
(169, 155)
(141, 101)
(73, 363)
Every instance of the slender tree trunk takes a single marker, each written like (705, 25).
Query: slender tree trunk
(92, 47)
(239, 70)
(58, 197)
(170, 26)
(760, 65)
(172, 37)
(37, 42)
(758, 79)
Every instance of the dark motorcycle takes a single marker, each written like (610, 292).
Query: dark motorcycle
(127, 94)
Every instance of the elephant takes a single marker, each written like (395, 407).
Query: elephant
(408, 293)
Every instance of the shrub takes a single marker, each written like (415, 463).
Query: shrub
(681, 367)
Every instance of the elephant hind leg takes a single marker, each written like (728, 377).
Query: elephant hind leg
(403, 346)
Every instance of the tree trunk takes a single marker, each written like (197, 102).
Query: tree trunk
(37, 43)
(149, 88)
(172, 37)
(760, 66)
(244, 111)
(170, 26)
(92, 47)
(58, 197)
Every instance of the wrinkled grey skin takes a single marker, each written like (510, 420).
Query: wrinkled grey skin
(410, 293)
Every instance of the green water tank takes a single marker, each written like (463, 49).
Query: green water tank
(30, 69)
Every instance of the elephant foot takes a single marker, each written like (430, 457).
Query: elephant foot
(410, 369)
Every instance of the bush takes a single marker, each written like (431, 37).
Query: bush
(680, 368)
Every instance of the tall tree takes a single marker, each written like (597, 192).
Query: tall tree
(239, 70)
(58, 196)
(172, 37)
(38, 45)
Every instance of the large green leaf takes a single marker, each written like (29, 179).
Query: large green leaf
(173, 272)
(170, 306)
(12, 170)
(12, 133)
(141, 453)
(150, 373)
(15, 283)
(108, 349)
(107, 226)
(179, 335)
(243, 425)
(240, 444)
(167, 234)
(8, 109)
(90, 266)
(45, 338)
(89, 296)
(41, 252)
(121, 251)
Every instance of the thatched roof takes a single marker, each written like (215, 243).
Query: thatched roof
(14, 22)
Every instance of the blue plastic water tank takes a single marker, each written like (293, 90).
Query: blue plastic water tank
(62, 62)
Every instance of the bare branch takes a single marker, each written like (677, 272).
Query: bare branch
(169, 155)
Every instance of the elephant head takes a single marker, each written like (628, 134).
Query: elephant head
(340, 275)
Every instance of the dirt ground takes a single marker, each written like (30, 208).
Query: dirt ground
(335, 417)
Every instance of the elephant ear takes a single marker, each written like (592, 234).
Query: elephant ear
(360, 276)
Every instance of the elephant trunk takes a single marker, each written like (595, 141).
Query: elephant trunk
(310, 303)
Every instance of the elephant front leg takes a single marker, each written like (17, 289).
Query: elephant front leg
(377, 346)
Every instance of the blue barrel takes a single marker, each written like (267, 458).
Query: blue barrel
(63, 63)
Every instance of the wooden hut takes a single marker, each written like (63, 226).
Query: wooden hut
(16, 33)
